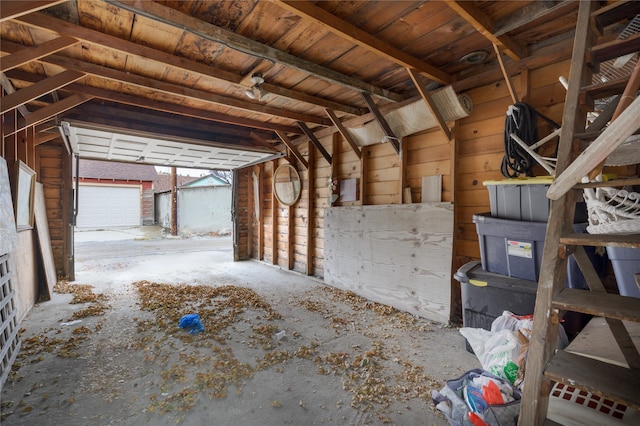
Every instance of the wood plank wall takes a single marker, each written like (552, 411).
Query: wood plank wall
(54, 171)
(472, 157)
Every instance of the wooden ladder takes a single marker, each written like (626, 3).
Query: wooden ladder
(545, 365)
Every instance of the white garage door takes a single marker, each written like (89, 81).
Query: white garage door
(107, 206)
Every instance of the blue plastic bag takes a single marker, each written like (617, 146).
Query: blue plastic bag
(192, 323)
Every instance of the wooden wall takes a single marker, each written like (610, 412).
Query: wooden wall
(472, 156)
(54, 171)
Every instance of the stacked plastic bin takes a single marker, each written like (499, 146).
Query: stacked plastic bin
(511, 241)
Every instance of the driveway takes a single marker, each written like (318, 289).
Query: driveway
(277, 347)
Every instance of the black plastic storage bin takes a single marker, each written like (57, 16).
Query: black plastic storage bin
(514, 248)
(486, 295)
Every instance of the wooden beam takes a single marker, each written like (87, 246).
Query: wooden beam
(626, 125)
(427, 100)
(335, 169)
(505, 73)
(243, 44)
(535, 400)
(311, 218)
(45, 137)
(54, 109)
(293, 149)
(307, 131)
(532, 13)
(50, 24)
(250, 211)
(381, 121)
(33, 53)
(613, 49)
(344, 132)
(160, 105)
(364, 168)
(175, 89)
(341, 28)
(402, 172)
(620, 333)
(260, 211)
(38, 89)
(625, 100)
(258, 138)
(274, 216)
(14, 9)
(481, 22)
(8, 87)
(291, 237)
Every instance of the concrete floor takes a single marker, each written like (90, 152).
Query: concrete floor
(343, 360)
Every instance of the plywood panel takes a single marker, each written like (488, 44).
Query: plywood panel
(397, 255)
(44, 243)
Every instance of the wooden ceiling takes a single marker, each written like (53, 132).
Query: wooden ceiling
(182, 68)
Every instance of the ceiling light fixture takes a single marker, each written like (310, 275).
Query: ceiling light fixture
(256, 92)
(476, 57)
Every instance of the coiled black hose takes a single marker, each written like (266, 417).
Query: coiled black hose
(522, 120)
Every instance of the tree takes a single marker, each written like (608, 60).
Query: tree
(225, 175)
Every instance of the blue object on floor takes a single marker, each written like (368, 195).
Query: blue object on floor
(191, 322)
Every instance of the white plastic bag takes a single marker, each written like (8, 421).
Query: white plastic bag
(524, 324)
(497, 351)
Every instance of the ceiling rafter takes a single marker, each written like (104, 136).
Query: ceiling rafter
(51, 24)
(248, 46)
(9, 89)
(13, 9)
(159, 105)
(29, 54)
(309, 11)
(532, 13)
(54, 109)
(34, 91)
(476, 18)
(170, 88)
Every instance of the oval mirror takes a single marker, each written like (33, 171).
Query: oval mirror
(286, 184)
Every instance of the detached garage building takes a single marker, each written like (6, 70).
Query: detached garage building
(114, 194)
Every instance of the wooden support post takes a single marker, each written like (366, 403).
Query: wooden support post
(274, 217)
(364, 166)
(507, 78)
(292, 149)
(311, 213)
(250, 212)
(291, 237)
(417, 81)
(260, 212)
(525, 85)
(402, 178)
(335, 170)
(344, 132)
(174, 202)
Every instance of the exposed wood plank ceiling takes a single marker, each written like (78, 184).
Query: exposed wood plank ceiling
(181, 68)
